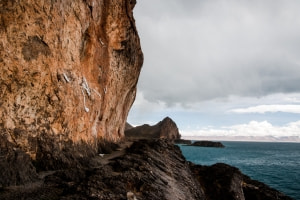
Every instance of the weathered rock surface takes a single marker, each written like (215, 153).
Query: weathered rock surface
(68, 75)
(166, 129)
(148, 169)
(205, 143)
(221, 181)
(15, 165)
(257, 190)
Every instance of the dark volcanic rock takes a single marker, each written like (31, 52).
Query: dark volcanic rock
(106, 147)
(148, 169)
(222, 182)
(208, 144)
(257, 190)
(182, 141)
(51, 156)
(128, 126)
(166, 128)
(15, 165)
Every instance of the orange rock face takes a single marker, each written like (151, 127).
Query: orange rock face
(68, 70)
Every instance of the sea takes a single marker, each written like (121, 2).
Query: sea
(275, 164)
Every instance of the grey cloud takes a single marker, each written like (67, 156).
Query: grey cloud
(200, 50)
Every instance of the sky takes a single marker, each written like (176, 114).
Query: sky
(220, 68)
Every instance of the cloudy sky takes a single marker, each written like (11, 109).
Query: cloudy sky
(220, 67)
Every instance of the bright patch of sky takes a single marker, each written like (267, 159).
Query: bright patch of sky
(219, 66)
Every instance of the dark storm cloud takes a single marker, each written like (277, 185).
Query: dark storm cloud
(204, 49)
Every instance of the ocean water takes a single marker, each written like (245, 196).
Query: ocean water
(275, 164)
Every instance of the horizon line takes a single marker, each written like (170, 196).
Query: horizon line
(291, 139)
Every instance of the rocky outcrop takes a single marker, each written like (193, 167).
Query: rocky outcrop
(205, 143)
(68, 74)
(257, 190)
(16, 166)
(128, 126)
(148, 169)
(166, 129)
(182, 141)
(221, 181)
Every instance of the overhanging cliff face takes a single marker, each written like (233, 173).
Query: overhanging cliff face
(68, 70)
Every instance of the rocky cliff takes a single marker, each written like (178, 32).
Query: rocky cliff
(148, 169)
(68, 73)
(166, 129)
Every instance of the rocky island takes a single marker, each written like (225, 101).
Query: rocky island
(205, 143)
(68, 76)
(182, 141)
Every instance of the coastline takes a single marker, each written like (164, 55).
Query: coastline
(275, 164)
(242, 139)
(144, 169)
